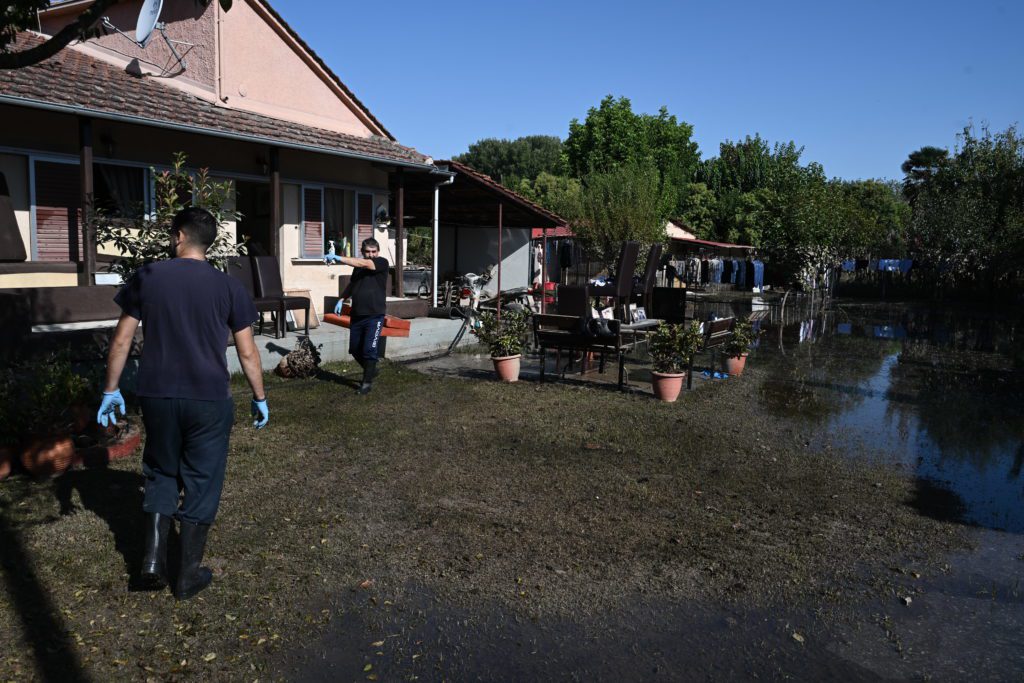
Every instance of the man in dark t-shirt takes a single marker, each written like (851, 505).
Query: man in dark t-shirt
(368, 290)
(187, 308)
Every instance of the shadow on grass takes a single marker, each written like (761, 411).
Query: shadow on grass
(328, 376)
(116, 498)
(45, 631)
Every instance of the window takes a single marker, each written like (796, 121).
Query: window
(312, 245)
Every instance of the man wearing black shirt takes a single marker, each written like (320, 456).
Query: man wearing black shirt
(187, 308)
(368, 290)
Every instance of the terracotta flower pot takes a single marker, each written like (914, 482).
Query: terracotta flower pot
(734, 366)
(6, 461)
(667, 386)
(507, 367)
(45, 456)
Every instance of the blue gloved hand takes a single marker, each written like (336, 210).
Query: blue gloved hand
(111, 400)
(337, 307)
(261, 412)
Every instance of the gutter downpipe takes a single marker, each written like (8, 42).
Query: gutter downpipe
(437, 232)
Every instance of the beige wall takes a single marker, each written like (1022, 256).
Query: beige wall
(186, 21)
(261, 71)
(15, 169)
(242, 59)
(10, 280)
(320, 279)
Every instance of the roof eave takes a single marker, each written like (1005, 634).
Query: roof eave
(78, 110)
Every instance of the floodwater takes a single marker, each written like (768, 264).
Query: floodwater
(937, 393)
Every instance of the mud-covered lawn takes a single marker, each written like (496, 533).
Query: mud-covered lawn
(554, 501)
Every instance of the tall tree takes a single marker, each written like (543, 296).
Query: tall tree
(20, 15)
(612, 135)
(624, 203)
(919, 167)
(509, 161)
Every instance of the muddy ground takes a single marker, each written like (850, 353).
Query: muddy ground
(552, 505)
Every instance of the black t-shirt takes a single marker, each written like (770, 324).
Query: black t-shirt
(187, 307)
(368, 289)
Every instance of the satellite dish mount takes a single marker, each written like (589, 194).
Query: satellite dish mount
(381, 216)
(149, 21)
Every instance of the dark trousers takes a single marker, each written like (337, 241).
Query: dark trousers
(186, 450)
(364, 337)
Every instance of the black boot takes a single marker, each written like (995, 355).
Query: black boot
(154, 559)
(191, 577)
(369, 372)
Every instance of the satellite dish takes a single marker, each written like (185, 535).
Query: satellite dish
(148, 16)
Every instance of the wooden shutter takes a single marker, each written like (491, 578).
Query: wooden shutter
(364, 219)
(312, 222)
(58, 212)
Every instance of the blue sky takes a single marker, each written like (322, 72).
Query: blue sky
(858, 83)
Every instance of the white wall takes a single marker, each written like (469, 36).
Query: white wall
(478, 249)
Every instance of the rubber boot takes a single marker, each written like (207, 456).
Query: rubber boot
(369, 372)
(192, 578)
(154, 558)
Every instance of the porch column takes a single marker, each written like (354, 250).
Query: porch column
(437, 235)
(399, 238)
(275, 202)
(544, 274)
(86, 276)
(500, 211)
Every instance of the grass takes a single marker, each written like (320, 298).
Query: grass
(552, 501)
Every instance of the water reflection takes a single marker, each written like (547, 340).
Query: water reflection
(937, 391)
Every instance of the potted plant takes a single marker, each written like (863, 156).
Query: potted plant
(736, 349)
(504, 339)
(43, 395)
(672, 348)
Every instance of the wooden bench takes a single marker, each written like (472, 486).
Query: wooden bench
(717, 333)
(563, 332)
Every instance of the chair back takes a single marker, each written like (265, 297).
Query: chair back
(240, 268)
(668, 304)
(268, 276)
(626, 268)
(573, 300)
(646, 283)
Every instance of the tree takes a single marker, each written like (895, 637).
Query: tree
(613, 135)
(919, 167)
(20, 15)
(968, 216)
(555, 193)
(509, 161)
(147, 239)
(698, 209)
(625, 203)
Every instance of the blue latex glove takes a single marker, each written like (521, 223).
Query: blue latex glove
(261, 412)
(337, 307)
(111, 400)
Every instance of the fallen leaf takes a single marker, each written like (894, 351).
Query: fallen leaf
(797, 637)
(377, 643)
(368, 583)
(209, 656)
(368, 667)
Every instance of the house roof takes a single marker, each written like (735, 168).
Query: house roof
(471, 201)
(76, 83)
(708, 243)
(63, 6)
(545, 217)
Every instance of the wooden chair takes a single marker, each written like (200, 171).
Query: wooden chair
(268, 284)
(642, 290)
(668, 304)
(240, 268)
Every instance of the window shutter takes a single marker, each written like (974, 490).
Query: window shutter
(312, 222)
(58, 212)
(364, 219)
